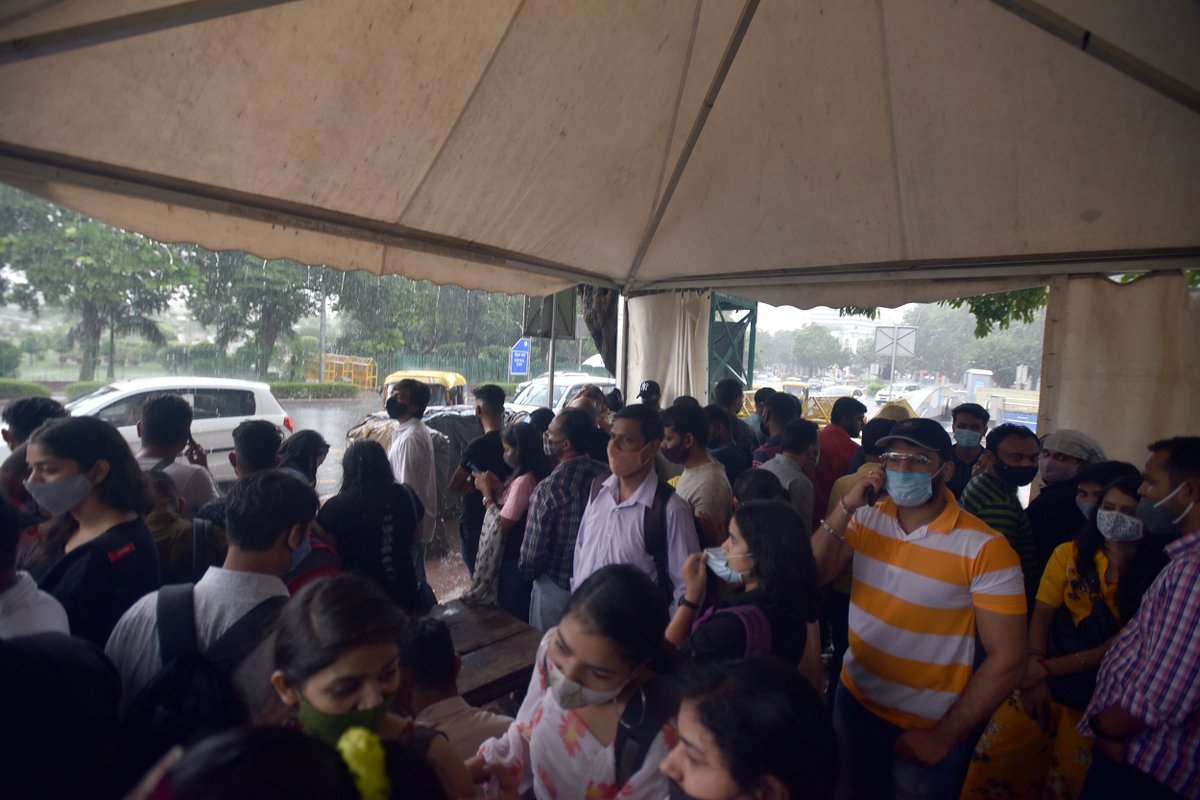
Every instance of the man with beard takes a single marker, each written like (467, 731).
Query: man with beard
(1146, 705)
(633, 516)
(1009, 462)
(930, 580)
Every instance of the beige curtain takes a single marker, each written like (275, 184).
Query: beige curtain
(668, 343)
(1120, 361)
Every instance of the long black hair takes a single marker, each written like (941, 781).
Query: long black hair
(1136, 575)
(330, 617)
(366, 472)
(767, 721)
(783, 559)
(622, 604)
(531, 457)
(86, 440)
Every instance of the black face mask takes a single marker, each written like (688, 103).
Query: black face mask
(1015, 476)
(395, 408)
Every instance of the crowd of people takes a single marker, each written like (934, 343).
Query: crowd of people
(729, 607)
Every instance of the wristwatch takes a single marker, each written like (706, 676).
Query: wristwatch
(683, 601)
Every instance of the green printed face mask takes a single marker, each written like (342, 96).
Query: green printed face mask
(330, 727)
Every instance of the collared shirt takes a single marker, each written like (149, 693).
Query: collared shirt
(220, 598)
(612, 533)
(1152, 671)
(26, 609)
(797, 485)
(465, 726)
(912, 608)
(412, 460)
(770, 448)
(997, 504)
(555, 511)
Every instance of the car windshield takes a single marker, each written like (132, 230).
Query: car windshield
(535, 394)
(86, 400)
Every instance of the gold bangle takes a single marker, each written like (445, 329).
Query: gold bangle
(842, 505)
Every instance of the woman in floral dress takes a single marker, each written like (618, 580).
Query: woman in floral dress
(597, 672)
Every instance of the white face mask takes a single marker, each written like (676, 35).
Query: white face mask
(1118, 527)
(571, 694)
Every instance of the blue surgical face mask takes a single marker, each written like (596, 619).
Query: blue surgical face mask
(1086, 507)
(909, 489)
(718, 562)
(966, 438)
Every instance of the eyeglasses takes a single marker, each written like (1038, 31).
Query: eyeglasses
(918, 460)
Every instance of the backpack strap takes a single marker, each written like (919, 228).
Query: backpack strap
(644, 717)
(759, 639)
(176, 622)
(162, 464)
(202, 547)
(654, 529)
(237, 642)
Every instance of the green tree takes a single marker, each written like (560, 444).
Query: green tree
(34, 345)
(105, 277)
(943, 338)
(814, 349)
(241, 295)
(10, 359)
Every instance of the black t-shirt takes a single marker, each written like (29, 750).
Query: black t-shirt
(487, 454)
(97, 582)
(733, 458)
(962, 475)
(375, 538)
(723, 636)
(1054, 517)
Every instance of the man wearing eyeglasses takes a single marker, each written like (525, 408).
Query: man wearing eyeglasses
(931, 584)
(555, 510)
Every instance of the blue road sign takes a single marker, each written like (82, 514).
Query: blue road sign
(518, 358)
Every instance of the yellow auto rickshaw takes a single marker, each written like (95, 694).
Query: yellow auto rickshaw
(445, 388)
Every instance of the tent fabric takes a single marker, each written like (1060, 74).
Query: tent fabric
(526, 145)
(668, 343)
(1121, 361)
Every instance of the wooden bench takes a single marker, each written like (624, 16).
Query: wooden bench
(497, 650)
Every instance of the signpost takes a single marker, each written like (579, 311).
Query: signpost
(518, 357)
(897, 340)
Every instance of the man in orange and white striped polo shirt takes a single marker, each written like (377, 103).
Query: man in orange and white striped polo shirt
(931, 584)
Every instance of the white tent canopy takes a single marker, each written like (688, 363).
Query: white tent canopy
(866, 152)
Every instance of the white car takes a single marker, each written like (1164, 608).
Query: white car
(884, 395)
(218, 406)
(533, 394)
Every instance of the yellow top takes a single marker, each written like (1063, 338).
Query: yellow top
(447, 379)
(1061, 583)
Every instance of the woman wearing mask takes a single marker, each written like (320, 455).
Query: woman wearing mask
(497, 575)
(96, 556)
(337, 667)
(753, 729)
(1091, 586)
(594, 682)
(775, 589)
(373, 521)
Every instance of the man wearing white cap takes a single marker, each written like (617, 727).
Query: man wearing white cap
(1054, 515)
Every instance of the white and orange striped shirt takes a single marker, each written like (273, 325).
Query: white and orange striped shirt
(912, 608)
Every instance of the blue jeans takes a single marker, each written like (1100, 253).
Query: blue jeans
(548, 603)
(871, 770)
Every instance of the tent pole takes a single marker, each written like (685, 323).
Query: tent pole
(553, 337)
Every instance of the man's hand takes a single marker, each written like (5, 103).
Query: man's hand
(196, 454)
(694, 576)
(923, 747)
(870, 485)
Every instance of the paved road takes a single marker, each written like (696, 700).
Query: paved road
(331, 419)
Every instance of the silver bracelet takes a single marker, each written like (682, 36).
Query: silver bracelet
(841, 537)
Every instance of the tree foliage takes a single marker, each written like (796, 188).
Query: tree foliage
(243, 296)
(108, 278)
(991, 311)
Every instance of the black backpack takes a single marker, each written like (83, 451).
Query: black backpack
(192, 695)
(643, 718)
(654, 531)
